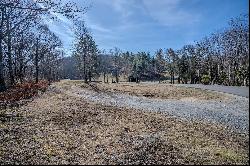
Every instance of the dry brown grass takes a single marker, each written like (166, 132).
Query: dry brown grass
(163, 91)
(61, 129)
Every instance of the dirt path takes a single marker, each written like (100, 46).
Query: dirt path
(232, 113)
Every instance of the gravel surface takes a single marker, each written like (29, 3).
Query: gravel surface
(236, 90)
(232, 113)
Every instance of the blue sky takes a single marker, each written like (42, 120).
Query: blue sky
(147, 25)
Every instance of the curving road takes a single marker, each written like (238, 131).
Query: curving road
(236, 90)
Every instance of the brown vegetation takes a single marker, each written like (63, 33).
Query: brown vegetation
(21, 91)
(163, 91)
(60, 129)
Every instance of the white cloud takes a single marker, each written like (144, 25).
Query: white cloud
(169, 12)
(124, 7)
(95, 26)
(99, 28)
(127, 19)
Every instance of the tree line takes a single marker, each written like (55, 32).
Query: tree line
(29, 50)
(220, 58)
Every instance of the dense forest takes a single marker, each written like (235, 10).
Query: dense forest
(30, 51)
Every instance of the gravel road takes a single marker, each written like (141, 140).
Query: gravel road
(233, 113)
(236, 90)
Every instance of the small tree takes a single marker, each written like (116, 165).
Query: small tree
(86, 53)
(160, 63)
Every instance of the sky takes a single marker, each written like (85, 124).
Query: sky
(147, 25)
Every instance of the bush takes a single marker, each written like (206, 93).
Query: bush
(23, 91)
(205, 79)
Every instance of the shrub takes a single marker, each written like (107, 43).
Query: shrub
(205, 79)
(23, 91)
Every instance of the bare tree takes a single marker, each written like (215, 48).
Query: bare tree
(15, 18)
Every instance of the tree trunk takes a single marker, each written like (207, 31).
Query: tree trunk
(245, 82)
(170, 78)
(116, 76)
(90, 75)
(15, 64)
(11, 75)
(210, 73)
(85, 78)
(198, 79)
(104, 74)
(218, 73)
(36, 62)
(2, 81)
(229, 75)
(21, 67)
(84, 69)
(49, 75)
(179, 80)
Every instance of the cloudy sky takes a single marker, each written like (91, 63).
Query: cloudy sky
(147, 25)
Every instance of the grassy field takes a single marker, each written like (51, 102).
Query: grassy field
(56, 128)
